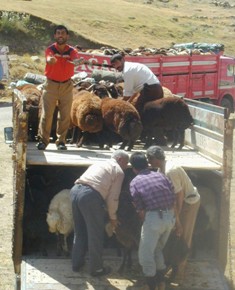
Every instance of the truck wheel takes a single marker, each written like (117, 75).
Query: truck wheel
(226, 103)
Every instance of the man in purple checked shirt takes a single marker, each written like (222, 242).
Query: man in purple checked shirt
(154, 200)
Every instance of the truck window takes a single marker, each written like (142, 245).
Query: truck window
(230, 70)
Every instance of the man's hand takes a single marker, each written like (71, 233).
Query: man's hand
(178, 229)
(51, 59)
(114, 223)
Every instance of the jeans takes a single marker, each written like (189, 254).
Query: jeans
(154, 234)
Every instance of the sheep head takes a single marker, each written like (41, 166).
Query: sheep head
(53, 219)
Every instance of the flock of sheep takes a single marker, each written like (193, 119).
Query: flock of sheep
(99, 113)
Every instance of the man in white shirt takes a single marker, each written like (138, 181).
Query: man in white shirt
(187, 200)
(138, 78)
(97, 188)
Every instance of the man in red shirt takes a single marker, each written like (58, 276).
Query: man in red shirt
(57, 90)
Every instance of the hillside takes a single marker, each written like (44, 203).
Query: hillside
(133, 23)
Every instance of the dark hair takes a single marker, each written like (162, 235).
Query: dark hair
(61, 27)
(115, 57)
(155, 152)
(139, 161)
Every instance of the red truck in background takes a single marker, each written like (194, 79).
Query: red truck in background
(208, 77)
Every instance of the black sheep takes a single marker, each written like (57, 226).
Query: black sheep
(166, 114)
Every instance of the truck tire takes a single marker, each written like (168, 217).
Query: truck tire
(226, 103)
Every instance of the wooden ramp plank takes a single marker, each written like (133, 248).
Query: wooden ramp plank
(86, 156)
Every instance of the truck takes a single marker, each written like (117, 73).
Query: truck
(39, 175)
(4, 69)
(205, 77)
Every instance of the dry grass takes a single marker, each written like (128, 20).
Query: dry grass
(133, 23)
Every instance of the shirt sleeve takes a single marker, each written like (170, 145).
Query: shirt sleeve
(112, 199)
(74, 54)
(136, 197)
(174, 176)
(48, 52)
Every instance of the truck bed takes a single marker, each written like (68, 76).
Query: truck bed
(85, 156)
(201, 274)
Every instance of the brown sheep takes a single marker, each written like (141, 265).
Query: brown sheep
(85, 114)
(122, 118)
(33, 97)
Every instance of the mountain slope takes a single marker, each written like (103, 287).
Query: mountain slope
(132, 23)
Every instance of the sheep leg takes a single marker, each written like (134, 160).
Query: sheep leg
(43, 248)
(65, 246)
(181, 138)
(59, 247)
(126, 261)
(122, 266)
(131, 145)
(123, 145)
(175, 138)
(75, 135)
(129, 259)
(54, 124)
(81, 141)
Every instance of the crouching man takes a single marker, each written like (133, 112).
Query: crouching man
(95, 190)
(154, 200)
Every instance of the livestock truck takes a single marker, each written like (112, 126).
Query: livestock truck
(39, 175)
(209, 78)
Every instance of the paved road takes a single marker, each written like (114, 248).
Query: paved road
(6, 201)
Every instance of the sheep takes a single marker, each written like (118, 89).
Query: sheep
(128, 231)
(166, 114)
(86, 114)
(122, 118)
(33, 96)
(59, 218)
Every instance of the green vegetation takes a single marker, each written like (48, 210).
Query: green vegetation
(27, 34)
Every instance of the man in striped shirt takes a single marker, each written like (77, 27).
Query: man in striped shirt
(154, 199)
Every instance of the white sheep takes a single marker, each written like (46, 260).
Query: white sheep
(60, 219)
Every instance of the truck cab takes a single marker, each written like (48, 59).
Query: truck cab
(226, 83)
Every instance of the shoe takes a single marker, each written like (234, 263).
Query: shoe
(78, 268)
(61, 146)
(41, 145)
(151, 282)
(102, 272)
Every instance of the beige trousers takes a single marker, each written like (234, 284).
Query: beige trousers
(188, 217)
(55, 94)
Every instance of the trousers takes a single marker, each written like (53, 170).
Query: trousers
(55, 94)
(154, 234)
(88, 210)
